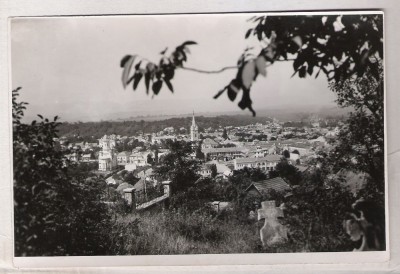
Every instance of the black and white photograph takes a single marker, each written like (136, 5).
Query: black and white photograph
(224, 133)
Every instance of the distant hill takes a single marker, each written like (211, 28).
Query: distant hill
(149, 124)
(153, 124)
(302, 113)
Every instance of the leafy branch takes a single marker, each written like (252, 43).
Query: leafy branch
(340, 46)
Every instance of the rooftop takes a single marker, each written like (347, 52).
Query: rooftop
(224, 149)
(277, 184)
(268, 158)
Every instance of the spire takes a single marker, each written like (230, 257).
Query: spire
(193, 121)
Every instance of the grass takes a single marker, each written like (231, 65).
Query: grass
(181, 232)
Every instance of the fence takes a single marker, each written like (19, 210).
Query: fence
(145, 198)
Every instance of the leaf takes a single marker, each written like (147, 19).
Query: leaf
(147, 77)
(157, 86)
(302, 72)
(138, 77)
(216, 96)
(188, 43)
(169, 73)
(248, 73)
(246, 101)
(248, 33)
(40, 116)
(126, 62)
(232, 92)
(169, 85)
(298, 62)
(164, 51)
(261, 65)
(310, 70)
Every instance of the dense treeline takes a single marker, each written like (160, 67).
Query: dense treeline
(129, 128)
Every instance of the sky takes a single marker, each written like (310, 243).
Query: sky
(69, 66)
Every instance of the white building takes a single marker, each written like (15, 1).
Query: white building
(107, 157)
(123, 157)
(139, 158)
(267, 163)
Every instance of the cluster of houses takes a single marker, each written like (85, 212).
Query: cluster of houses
(226, 152)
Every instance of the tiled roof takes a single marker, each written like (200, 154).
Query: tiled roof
(209, 141)
(268, 158)
(223, 149)
(277, 184)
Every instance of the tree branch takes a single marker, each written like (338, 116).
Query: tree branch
(226, 68)
(210, 71)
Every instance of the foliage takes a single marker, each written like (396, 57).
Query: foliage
(177, 167)
(338, 45)
(54, 213)
(287, 171)
(213, 168)
(314, 215)
(154, 74)
(360, 144)
(199, 154)
(225, 134)
(286, 154)
(128, 145)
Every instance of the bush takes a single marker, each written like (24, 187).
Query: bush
(55, 213)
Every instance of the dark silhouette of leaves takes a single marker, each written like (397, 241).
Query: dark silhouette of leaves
(157, 86)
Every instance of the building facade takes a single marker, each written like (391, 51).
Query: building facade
(267, 163)
(107, 156)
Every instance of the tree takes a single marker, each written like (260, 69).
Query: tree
(54, 213)
(177, 166)
(314, 214)
(150, 159)
(225, 134)
(287, 171)
(199, 153)
(213, 168)
(360, 144)
(286, 154)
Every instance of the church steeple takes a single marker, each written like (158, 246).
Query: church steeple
(194, 130)
(193, 121)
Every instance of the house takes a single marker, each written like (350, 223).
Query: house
(267, 163)
(222, 168)
(74, 157)
(86, 158)
(161, 139)
(130, 167)
(225, 153)
(123, 157)
(139, 158)
(205, 171)
(262, 188)
(208, 143)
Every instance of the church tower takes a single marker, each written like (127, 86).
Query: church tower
(194, 131)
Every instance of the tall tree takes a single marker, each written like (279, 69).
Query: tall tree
(54, 213)
(178, 167)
